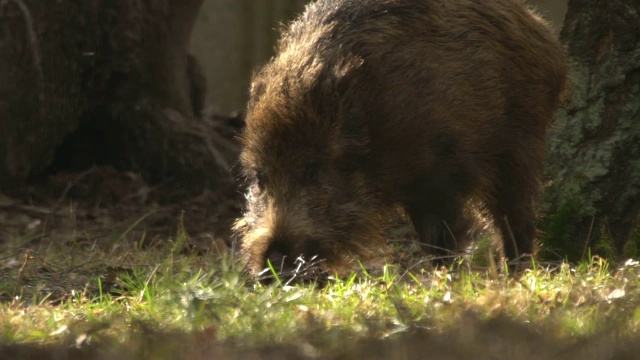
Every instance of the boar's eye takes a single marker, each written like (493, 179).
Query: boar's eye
(311, 172)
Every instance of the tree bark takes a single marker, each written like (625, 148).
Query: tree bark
(103, 81)
(594, 198)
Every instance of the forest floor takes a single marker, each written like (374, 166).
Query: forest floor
(132, 279)
(100, 265)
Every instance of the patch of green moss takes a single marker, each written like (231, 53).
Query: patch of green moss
(559, 230)
(556, 231)
(603, 244)
(632, 247)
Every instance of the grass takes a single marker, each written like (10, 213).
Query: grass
(85, 295)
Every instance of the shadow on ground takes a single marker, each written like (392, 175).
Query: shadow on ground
(498, 338)
(101, 202)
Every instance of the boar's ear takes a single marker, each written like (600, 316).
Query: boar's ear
(351, 112)
(344, 73)
(334, 90)
(345, 69)
(343, 104)
(334, 80)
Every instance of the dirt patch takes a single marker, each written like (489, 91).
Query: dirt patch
(100, 202)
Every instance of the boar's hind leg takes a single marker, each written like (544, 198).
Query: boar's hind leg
(513, 204)
(442, 226)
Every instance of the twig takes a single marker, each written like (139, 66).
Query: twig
(70, 185)
(21, 272)
(198, 131)
(586, 245)
(513, 238)
(455, 241)
(421, 261)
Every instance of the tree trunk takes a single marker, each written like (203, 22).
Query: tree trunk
(103, 81)
(594, 198)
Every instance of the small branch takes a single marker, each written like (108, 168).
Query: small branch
(455, 241)
(70, 185)
(27, 256)
(586, 245)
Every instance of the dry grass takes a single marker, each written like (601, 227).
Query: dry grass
(129, 300)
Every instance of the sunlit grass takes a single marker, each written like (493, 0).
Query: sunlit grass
(100, 293)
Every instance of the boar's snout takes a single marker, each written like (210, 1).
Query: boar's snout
(289, 256)
(280, 257)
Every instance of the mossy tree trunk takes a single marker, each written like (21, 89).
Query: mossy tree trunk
(103, 81)
(594, 197)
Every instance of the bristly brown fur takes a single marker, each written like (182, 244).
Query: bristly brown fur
(373, 104)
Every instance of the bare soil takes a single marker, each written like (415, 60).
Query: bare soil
(99, 202)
